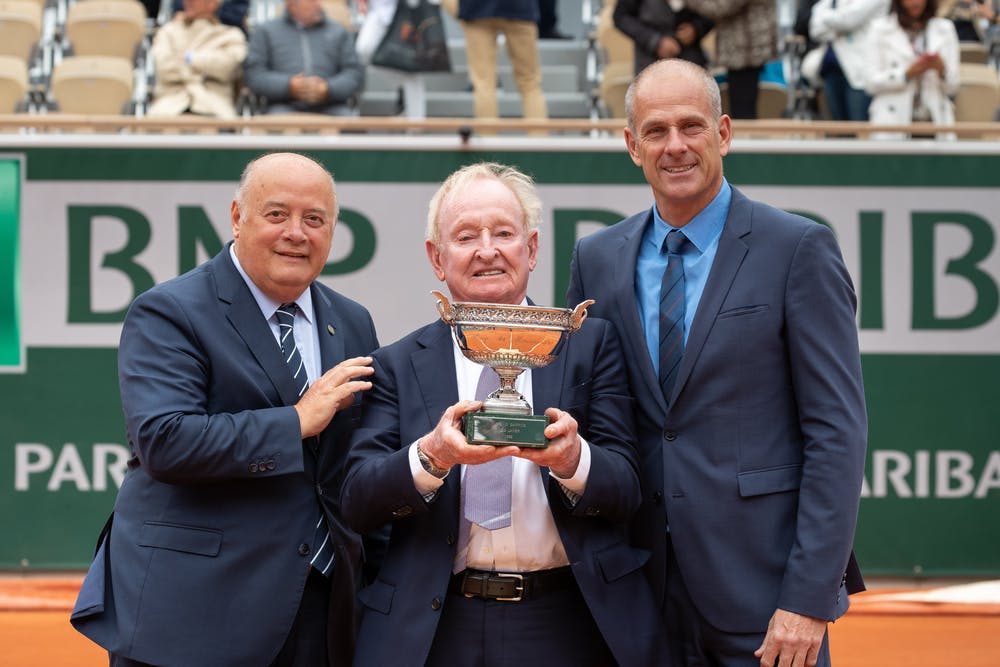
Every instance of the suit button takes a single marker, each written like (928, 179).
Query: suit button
(670, 436)
(303, 549)
(253, 467)
(592, 511)
(436, 604)
(450, 539)
(658, 498)
(271, 465)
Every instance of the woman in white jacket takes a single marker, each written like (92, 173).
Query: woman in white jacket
(914, 74)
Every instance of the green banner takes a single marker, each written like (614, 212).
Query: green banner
(85, 229)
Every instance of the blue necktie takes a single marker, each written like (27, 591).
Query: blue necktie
(322, 558)
(672, 308)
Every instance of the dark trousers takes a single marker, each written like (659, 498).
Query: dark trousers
(305, 645)
(743, 92)
(553, 630)
(842, 101)
(694, 642)
(546, 16)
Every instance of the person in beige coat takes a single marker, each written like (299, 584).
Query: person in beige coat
(198, 61)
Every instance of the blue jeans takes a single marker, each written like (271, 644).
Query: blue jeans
(842, 101)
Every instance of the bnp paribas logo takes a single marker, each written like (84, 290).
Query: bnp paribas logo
(11, 353)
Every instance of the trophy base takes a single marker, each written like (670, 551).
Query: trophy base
(490, 428)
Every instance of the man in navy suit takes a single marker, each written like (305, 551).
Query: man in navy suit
(558, 585)
(752, 440)
(226, 546)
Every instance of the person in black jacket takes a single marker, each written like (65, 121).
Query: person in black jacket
(662, 29)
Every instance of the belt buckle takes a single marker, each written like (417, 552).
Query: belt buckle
(519, 587)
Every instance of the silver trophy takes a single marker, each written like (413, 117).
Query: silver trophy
(509, 339)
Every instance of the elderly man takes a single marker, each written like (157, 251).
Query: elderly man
(197, 63)
(547, 578)
(304, 62)
(238, 383)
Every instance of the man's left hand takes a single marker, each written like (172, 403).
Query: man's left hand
(795, 638)
(562, 456)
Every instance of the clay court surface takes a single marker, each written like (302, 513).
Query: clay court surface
(944, 627)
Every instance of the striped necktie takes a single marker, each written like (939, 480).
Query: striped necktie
(672, 308)
(322, 558)
(286, 337)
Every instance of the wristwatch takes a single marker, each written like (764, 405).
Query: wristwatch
(428, 465)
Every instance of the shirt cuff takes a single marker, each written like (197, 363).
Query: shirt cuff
(427, 484)
(576, 485)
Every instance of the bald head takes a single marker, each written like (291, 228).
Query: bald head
(662, 73)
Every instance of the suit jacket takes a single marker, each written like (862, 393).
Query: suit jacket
(207, 556)
(414, 384)
(757, 463)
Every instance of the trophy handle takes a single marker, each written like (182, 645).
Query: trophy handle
(443, 306)
(580, 314)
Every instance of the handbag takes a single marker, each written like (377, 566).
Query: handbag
(415, 40)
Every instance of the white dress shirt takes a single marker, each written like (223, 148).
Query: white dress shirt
(531, 542)
(303, 328)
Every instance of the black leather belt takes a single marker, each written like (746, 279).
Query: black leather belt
(510, 586)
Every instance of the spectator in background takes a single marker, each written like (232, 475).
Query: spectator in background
(378, 17)
(914, 68)
(973, 19)
(746, 37)
(843, 60)
(197, 63)
(662, 30)
(304, 62)
(231, 12)
(482, 22)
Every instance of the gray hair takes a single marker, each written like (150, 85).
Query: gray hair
(519, 183)
(251, 168)
(661, 70)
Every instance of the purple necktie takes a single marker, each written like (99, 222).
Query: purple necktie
(486, 487)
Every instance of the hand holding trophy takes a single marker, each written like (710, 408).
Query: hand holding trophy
(509, 339)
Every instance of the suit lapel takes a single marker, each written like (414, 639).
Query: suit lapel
(728, 258)
(623, 280)
(244, 314)
(328, 330)
(434, 369)
(546, 389)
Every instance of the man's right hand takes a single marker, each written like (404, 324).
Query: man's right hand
(299, 87)
(446, 445)
(333, 391)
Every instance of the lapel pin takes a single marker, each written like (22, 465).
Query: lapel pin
(330, 329)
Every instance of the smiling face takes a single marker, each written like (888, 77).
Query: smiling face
(677, 141)
(283, 224)
(484, 253)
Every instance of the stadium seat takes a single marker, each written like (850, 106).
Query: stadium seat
(92, 84)
(978, 93)
(973, 52)
(20, 27)
(106, 27)
(13, 83)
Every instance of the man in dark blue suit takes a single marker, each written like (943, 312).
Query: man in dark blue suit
(742, 354)
(238, 383)
(549, 579)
